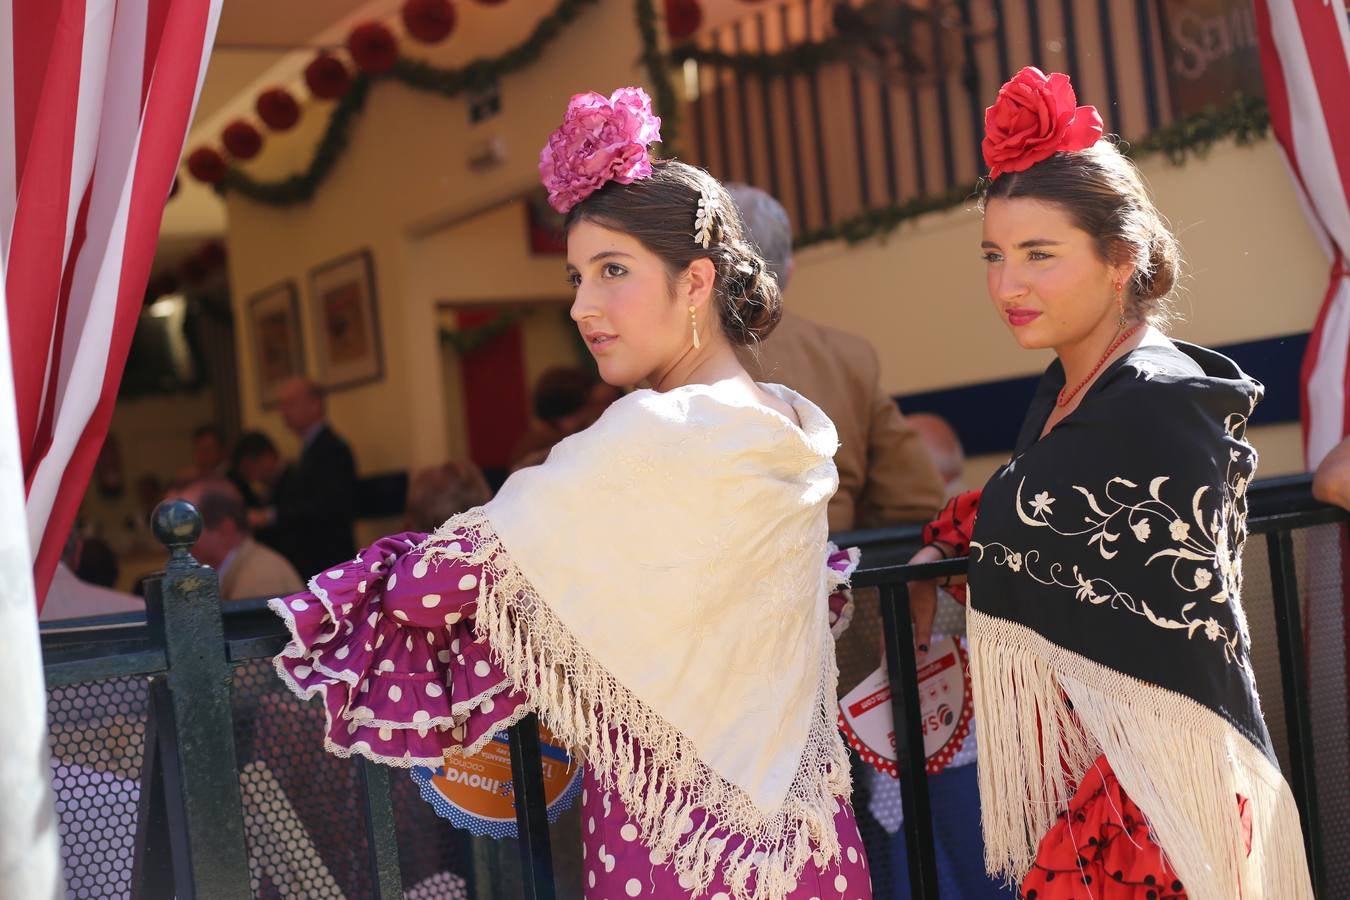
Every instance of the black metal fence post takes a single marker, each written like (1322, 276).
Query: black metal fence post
(377, 804)
(201, 782)
(152, 869)
(1293, 677)
(909, 753)
(527, 781)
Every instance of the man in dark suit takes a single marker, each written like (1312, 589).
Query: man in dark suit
(315, 499)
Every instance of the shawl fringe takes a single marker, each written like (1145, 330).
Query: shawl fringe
(654, 768)
(1045, 713)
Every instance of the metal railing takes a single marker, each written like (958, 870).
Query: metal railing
(852, 127)
(189, 829)
(193, 831)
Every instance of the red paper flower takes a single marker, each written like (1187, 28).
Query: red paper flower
(683, 18)
(326, 77)
(429, 21)
(205, 164)
(278, 109)
(373, 47)
(1036, 116)
(241, 139)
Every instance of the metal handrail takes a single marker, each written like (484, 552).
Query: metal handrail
(193, 838)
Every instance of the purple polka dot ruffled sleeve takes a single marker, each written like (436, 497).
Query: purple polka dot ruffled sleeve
(387, 640)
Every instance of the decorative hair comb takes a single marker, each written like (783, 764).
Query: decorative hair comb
(599, 140)
(705, 218)
(1036, 116)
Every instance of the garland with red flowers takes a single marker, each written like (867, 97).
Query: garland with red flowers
(374, 49)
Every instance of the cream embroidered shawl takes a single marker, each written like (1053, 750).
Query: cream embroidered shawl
(658, 590)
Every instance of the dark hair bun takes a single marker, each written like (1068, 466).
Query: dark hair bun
(1154, 278)
(752, 303)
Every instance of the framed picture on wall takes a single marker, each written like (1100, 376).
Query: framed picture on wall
(346, 325)
(278, 348)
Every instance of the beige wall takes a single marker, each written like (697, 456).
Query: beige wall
(405, 176)
(480, 260)
(441, 233)
(1253, 267)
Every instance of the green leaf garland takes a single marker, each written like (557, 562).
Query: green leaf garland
(800, 59)
(467, 340)
(1245, 120)
(658, 75)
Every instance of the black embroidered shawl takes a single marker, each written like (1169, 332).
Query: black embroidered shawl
(1105, 597)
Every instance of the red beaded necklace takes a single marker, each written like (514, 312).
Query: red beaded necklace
(1066, 396)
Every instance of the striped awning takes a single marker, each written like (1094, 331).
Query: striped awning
(95, 101)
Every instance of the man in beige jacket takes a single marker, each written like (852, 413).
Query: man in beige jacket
(247, 569)
(885, 474)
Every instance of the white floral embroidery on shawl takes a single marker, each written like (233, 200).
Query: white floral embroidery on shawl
(1203, 548)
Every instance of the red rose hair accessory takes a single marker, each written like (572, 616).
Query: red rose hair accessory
(599, 140)
(1036, 116)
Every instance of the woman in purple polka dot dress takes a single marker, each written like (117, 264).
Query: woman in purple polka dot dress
(660, 590)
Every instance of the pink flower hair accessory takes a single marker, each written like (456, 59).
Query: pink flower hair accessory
(599, 140)
(1036, 116)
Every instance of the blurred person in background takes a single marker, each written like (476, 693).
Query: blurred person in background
(565, 401)
(255, 468)
(944, 449)
(209, 457)
(313, 509)
(440, 492)
(71, 596)
(246, 568)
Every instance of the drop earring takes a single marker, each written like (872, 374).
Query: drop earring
(1120, 303)
(693, 324)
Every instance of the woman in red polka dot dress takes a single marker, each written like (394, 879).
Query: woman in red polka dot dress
(1123, 754)
(660, 590)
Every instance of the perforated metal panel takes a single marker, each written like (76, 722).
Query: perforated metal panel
(1322, 591)
(96, 739)
(303, 810)
(1257, 601)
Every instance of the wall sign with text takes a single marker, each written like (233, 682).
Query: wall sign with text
(1211, 53)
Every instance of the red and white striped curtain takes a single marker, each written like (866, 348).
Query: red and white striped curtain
(95, 100)
(1305, 58)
